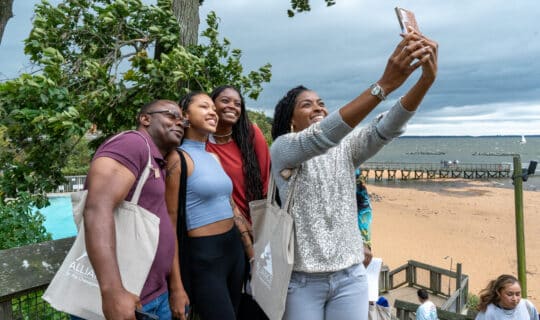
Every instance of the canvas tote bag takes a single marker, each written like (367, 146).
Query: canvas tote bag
(74, 288)
(273, 231)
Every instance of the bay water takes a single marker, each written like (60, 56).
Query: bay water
(465, 150)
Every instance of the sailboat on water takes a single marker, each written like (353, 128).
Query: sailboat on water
(523, 140)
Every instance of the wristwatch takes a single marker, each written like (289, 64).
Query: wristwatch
(377, 91)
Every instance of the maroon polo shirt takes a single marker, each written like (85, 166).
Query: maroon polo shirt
(131, 151)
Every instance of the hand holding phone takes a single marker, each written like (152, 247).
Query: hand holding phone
(406, 19)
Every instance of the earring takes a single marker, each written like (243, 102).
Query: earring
(292, 128)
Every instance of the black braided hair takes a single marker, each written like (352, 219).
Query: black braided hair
(242, 134)
(284, 111)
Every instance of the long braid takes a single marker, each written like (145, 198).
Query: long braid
(284, 112)
(243, 134)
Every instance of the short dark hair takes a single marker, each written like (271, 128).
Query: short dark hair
(422, 294)
(284, 111)
(145, 108)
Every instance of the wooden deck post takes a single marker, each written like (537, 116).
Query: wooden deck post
(459, 303)
(520, 235)
(5, 310)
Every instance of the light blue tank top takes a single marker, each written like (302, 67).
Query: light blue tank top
(208, 188)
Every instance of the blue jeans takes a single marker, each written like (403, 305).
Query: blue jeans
(340, 295)
(159, 307)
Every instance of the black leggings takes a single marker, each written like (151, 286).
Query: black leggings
(217, 267)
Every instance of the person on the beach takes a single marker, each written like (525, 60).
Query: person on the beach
(427, 309)
(244, 155)
(216, 255)
(501, 299)
(323, 150)
(365, 217)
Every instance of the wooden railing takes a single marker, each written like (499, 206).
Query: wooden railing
(455, 301)
(25, 272)
(406, 311)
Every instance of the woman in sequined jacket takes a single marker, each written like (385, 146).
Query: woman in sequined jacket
(328, 279)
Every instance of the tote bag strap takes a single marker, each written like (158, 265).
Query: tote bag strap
(272, 190)
(181, 226)
(147, 168)
(144, 175)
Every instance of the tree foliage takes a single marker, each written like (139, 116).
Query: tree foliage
(19, 225)
(263, 122)
(298, 6)
(96, 68)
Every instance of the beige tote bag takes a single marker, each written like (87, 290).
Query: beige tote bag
(74, 288)
(273, 231)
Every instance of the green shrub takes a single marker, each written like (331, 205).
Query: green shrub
(472, 302)
(20, 226)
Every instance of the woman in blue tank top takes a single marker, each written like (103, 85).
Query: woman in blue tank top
(215, 252)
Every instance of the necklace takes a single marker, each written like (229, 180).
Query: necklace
(222, 135)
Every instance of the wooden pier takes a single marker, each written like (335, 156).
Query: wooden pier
(415, 171)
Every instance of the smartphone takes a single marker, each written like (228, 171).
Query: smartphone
(406, 18)
(141, 315)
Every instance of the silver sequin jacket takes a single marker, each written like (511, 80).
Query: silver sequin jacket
(327, 237)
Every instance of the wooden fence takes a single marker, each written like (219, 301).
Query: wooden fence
(26, 272)
(455, 295)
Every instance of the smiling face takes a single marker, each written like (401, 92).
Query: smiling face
(308, 109)
(510, 295)
(202, 117)
(228, 107)
(163, 121)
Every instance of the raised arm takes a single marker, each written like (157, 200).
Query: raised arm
(109, 183)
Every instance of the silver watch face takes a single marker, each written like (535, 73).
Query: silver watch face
(375, 90)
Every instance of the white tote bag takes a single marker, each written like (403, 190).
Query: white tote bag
(74, 288)
(273, 232)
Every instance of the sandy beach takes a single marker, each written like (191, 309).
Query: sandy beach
(471, 222)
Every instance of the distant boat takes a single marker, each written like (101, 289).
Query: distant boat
(523, 141)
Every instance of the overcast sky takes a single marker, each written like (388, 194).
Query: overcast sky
(489, 70)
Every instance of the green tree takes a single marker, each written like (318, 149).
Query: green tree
(185, 11)
(96, 68)
(263, 122)
(298, 6)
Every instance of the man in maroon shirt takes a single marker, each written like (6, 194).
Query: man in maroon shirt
(113, 175)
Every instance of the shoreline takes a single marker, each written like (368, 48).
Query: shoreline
(459, 220)
(533, 183)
